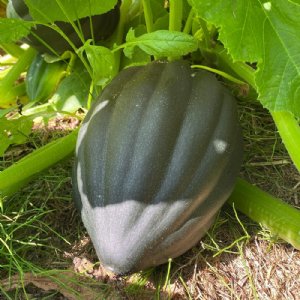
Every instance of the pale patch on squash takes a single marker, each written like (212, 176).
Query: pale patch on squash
(85, 125)
(220, 146)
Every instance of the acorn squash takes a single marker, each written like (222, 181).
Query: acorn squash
(42, 78)
(157, 156)
(103, 26)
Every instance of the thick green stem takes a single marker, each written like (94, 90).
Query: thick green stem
(189, 22)
(20, 66)
(21, 172)
(175, 15)
(175, 19)
(206, 34)
(289, 130)
(12, 49)
(280, 218)
(124, 9)
(8, 90)
(148, 15)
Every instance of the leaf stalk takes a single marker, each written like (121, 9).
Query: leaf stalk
(279, 217)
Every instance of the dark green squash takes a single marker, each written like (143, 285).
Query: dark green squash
(103, 26)
(156, 158)
(42, 78)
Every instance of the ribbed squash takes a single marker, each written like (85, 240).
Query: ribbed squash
(42, 78)
(156, 158)
(103, 26)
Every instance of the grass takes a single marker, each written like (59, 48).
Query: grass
(45, 252)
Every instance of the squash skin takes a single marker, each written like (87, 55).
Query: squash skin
(156, 158)
(103, 26)
(42, 78)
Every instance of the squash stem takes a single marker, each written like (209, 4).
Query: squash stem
(189, 22)
(148, 15)
(206, 34)
(175, 15)
(241, 69)
(280, 218)
(20, 66)
(21, 172)
(8, 90)
(289, 130)
(124, 9)
(175, 19)
(221, 73)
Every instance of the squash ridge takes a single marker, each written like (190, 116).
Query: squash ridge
(216, 177)
(156, 102)
(170, 158)
(189, 171)
(116, 139)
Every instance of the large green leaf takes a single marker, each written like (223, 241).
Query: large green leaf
(11, 30)
(267, 33)
(49, 11)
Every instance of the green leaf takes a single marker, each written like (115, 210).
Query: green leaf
(11, 30)
(14, 132)
(239, 25)
(73, 91)
(138, 58)
(158, 9)
(161, 23)
(49, 11)
(266, 32)
(278, 76)
(102, 61)
(161, 43)
(295, 1)
(128, 49)
(135, 56)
